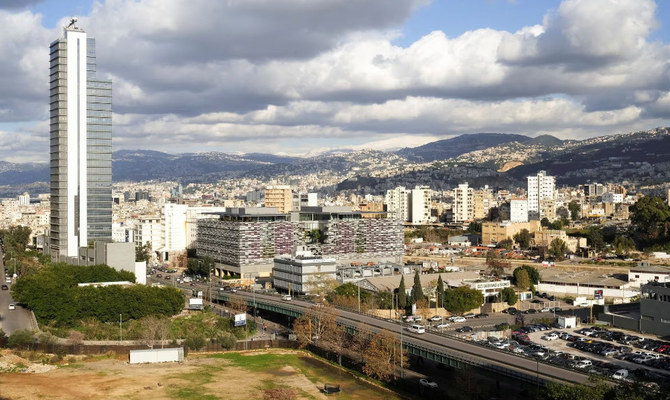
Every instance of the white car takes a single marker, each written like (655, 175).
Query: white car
(459, 319)
(427, 383)
(545, 310)
(417, 329)
(435, 318)
(12, 307)
(442, 325)
(550, 336)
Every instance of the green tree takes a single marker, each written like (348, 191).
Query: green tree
(496, 265)
(506, 244)
(595, 238)
(462, 299)
(522, 279)
(21, 339)
(384, 299)
(509, 296)
(563, 213)
(349, 290)
(402, 294)
(545, 222)
(622, 245)
(557, 248)
(417, 290)
(650, 215)
(143, 253)
(522, 238)
(533, 273)
(475, 228)
(574, 209)
(440, 291)
(195, 342)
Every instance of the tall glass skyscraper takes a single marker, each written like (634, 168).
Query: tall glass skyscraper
(81, 146)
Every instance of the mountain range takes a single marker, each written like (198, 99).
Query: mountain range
(497, 159)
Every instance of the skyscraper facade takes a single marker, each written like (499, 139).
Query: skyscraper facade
(81, 145)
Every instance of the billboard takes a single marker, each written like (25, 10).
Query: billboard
(240, 319)
(598, 294)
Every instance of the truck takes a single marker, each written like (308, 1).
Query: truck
(195, 304)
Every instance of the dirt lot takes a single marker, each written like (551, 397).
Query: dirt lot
(250, 375)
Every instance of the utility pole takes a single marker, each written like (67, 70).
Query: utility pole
(120, 328)
(358, 284)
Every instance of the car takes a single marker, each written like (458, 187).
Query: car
(5, 287)
(286, 297)
(469, 315)
(550, 336)
(530, 311)
(511, 311)
(159, 275)
(435, 318)
(463, 329)
(482, 315)
(459, 319)
(583, 364)
(620, 374)
(427, 383)
(8, 279)
(442, 325)
(545, 310)
(416, 328)
(12, 307)
(418, 318)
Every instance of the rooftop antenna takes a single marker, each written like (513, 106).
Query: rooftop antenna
(73, 21)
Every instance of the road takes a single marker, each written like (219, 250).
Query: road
(11, 320)
(484, 356)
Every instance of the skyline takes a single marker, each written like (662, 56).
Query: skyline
(222, 77)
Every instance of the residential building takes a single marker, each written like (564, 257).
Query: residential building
(24, 199)
(81, 146)
(614, 198)
(280, 197)
(495, 232)
(482, 201)
(420, 205)
(398, 203)
(644, 273)
(540, 187)
(309, 200)
(518, 210)
(149, 229)
(543, 238)
(463, 203)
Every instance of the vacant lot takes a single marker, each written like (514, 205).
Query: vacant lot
(250, 375)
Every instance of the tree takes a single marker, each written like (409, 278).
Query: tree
(522, 238)
(595, 238)
(384, 300)
(545, 222)
(650, 215)
(143, 253)
(462, 299)
(496, 266)
(506, 244)
(574, 209)
(417, 290)
(402, 294)
(195, 342)
(522, 279)
(440, 291)
(563, 213)
(533, 273)
(557, 248)
(622, 245)
(475, 228)
(509, 295)
(312, 325)
(21, 339)
(383, 355)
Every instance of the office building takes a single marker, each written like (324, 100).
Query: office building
(81, 146)
(541, 188)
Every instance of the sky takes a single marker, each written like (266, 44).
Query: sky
(300, 77)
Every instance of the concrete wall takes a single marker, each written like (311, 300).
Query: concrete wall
(157, 355)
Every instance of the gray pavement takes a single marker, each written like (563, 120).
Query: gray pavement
(11, 320)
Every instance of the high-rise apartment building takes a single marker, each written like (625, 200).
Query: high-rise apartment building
(463, 203)
(482, 202)
(540, 187)
(81, 145)
(420, 201)
(279, 196)
(398, 203)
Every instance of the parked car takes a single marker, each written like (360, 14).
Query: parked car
(620, 374)
(482, 315)
(550, 336)
(463, 329)
(545, 309)
(469, 315)
(12, 307)
(459, 319)
(427, 383)
(442, 325)
(5, 287)
(435, 318)
(581, 364)
(286, 297)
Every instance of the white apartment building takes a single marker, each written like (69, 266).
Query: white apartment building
(397, 203)
(518, 210)
(149, 229)
(615, 198)
(174, 227)
(540, 187)
(420, 202)
(463, 203)
(24, 199)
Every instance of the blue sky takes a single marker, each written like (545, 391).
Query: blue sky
(305, 77)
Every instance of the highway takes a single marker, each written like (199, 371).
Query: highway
(459, 349)
(11, 320)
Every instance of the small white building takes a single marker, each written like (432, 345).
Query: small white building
(643, 274)
(157, 355)
(567, 322)
(489, 288)
(300, 274)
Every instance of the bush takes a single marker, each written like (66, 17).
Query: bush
(227, 340)
(195, 342)
(20, 339)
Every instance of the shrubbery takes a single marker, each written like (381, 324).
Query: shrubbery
(52, 293)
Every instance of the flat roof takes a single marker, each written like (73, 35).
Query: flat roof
(651, 269)
(585, 278)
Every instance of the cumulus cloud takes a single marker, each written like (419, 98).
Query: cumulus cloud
(221, 75)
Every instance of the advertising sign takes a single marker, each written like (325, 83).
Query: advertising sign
(598, 294)
(240, 319)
